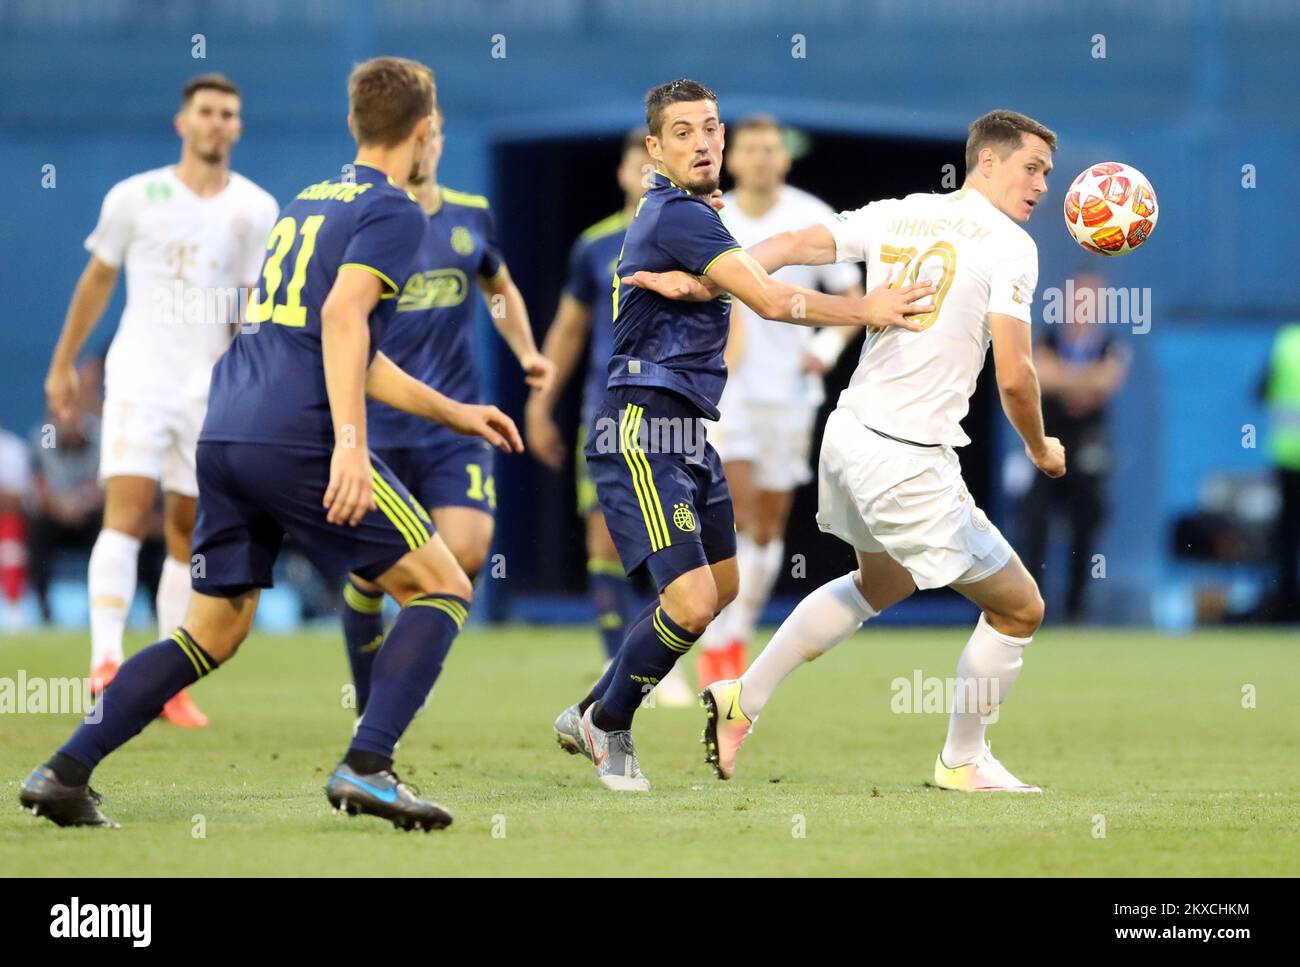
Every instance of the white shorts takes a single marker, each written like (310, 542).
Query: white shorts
(907, 501)
(777, 440)
(140, 439)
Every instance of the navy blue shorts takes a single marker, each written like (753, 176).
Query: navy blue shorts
(253, 494)
(660, 483)
(455, 475)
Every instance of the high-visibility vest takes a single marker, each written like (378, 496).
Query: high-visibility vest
(1283, 397)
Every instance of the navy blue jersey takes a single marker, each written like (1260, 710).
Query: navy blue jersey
(672, 344)
(592, 262)
(269, 386)
(432, 333)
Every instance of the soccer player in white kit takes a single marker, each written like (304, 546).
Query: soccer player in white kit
(190, 236)
(889, 481)
(774, 387)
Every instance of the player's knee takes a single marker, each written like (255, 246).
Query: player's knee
(1025, 618)
(694, 611)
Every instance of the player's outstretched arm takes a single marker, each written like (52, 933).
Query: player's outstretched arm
(739, 274)
(813, 245)
(512, 323)
(389, 383)
(1013, 358)
(345, 343)
(563, 347)
(89, 299)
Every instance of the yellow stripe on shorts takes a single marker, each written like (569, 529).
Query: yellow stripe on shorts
(643, 478)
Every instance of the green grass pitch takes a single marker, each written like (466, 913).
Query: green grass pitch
(1140, 737)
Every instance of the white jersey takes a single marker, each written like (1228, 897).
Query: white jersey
(771, 370)
(185, 259)
(917, 385)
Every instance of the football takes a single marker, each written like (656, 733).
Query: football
(1111, 208)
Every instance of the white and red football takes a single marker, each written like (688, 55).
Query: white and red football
(1111, 208)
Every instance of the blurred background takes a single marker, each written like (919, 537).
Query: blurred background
(1179, 479)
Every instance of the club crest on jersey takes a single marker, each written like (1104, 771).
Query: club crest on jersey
(158, 191)
(683, 519)
(434, 289)
(462, 242)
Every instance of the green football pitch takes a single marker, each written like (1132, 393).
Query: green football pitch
(1157, 756)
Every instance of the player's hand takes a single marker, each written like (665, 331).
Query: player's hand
(883, 306)
(674, 285)
(351, 493)
(61, 387)
(716, 201)
(489, 423)
(539, 372)
(1051, 459)
(544, 438)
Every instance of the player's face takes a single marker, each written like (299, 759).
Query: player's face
(209, 125)
(1019, 182)
(427, 161)
(758, 159)
(634, 173)
(689, 145)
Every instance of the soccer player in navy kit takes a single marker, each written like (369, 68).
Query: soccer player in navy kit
(668, 507)
(431, 338)
(284, 451)
(586, 314)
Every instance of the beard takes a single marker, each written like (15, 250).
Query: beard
(703, 184)
(416, 177)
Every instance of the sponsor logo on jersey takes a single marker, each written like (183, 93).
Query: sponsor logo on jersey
(434, 289)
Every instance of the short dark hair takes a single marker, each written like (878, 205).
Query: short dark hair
(754, 122)
(674, 92)
(387, 97)
(1002, 131)
(634, 140)
(207, 82)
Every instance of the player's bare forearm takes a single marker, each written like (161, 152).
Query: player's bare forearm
(89, 300)
(345, 343)
(739, 274)
(813, 245)
(563, 347)
(1022, 400)
(510, 316)
(390, 384)
(393, 386)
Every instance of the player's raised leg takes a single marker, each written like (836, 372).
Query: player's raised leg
(821, 621)
(434, 594)
(1011, 611)
(213, 629)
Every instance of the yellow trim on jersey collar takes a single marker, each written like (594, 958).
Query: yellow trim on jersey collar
(665, 177)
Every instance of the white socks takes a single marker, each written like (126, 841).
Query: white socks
(820, 622)
(988, 667)
(173, 595)
(759, 567)
(111, 583)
